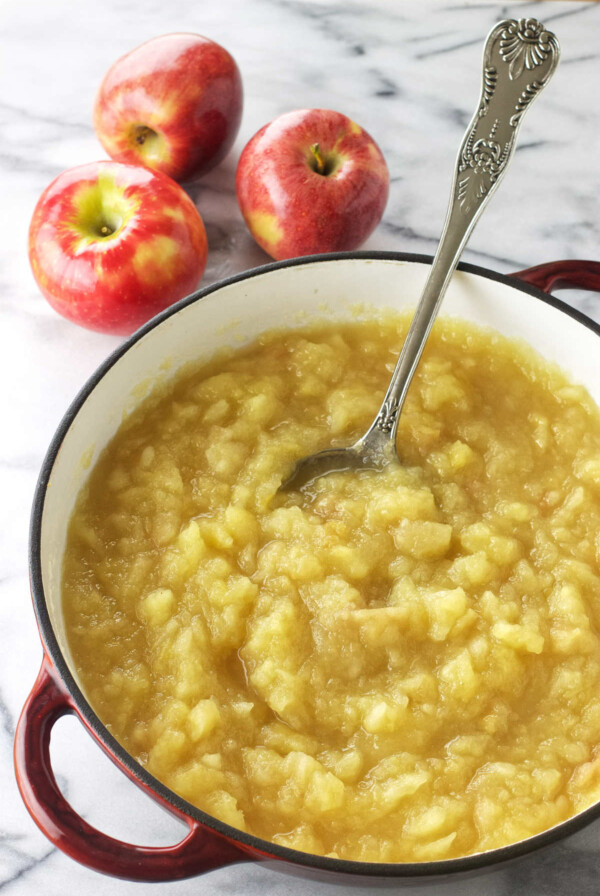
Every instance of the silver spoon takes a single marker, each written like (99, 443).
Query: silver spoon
(518, 60)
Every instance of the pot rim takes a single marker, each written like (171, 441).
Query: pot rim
(249, 842)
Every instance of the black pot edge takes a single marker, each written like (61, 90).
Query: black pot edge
(399, 872)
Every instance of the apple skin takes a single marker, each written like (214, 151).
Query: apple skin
(173, 104)
(152, 251)
(289, 207)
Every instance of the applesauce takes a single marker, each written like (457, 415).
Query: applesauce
(393, 666)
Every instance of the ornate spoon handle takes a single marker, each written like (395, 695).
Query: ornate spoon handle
(518, 61)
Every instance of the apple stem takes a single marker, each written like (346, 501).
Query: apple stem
(319, 166)
(142, 134)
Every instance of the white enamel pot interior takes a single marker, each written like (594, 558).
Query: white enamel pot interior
(234, 312)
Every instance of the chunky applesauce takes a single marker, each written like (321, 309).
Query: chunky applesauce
(393, 666)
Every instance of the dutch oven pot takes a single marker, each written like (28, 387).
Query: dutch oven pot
(282, 294)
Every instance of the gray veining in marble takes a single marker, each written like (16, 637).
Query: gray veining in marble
(408, 71)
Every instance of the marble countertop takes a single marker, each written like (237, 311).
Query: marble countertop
(409, 73)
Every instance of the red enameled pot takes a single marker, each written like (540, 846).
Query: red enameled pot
(279, 294)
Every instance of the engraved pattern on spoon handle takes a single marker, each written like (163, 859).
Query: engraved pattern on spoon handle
(519, 59)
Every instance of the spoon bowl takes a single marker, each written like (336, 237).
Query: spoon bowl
(373, 451)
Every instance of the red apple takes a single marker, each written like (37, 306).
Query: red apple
(173, 104)
(311, 181)
(111, 245)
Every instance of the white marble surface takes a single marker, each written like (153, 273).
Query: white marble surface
(408, 72)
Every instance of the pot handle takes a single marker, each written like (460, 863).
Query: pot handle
(200, 850)
(563, 275)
